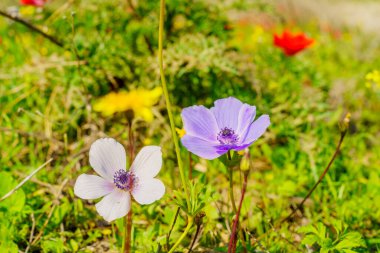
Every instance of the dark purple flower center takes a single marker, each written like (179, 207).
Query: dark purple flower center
(124, 180)
(227, 136)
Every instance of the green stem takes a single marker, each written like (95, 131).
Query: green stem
(167, 99)
(187, 229)
(231, 188)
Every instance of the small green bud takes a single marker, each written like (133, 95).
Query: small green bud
(199, 218)
(345, 123)
(245, 163)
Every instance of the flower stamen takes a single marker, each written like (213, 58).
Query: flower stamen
(227, 136)
(125, 180)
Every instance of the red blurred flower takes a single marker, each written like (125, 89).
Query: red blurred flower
(38, 3)
(292, 43)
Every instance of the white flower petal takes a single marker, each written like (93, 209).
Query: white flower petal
(147, 163)
(115, 205)
(148, 191)
(107, 156)
(92, 187)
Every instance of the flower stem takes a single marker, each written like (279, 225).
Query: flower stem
(232, 244)
(126, 248)
(195, 237)
(337, 150)
(128, 228)
(131, 145)
(167, 99)
(319, 180)
(231, 186)
(171, 228)
(190, 221)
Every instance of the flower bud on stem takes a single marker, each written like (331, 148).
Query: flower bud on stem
(198, 222)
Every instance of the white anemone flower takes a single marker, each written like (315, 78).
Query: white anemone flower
(115, 183)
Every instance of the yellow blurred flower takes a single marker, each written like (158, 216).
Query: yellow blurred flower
(27, 10)
(106, 231)
(139, 101)
(373, 78)
(247, 36)
(241, 152)
(179, 22)
(180, 132)
(147, 141)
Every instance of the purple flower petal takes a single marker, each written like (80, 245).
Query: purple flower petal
(115, 205)
(256, 129)
(226, 112)
(202, 148)
(247, 114)
(241, 147)
(92, 187)
(198, 121)
(106, 157)
(148, 191)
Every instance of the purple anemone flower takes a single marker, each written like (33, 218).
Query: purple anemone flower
(229, 125)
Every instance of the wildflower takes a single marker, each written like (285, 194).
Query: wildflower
(37, 3)
(181, 132)
(140, 102)
(228, 125)
(115, 183)
(373, 78)
(292, 43)
(247, 37)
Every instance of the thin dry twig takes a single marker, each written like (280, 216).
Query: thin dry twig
(319, 180)
(32, 27)
(25, 180)
(55, 204)
(171, 229)
(36, 135)
(196, 237)
(31, 233)
(34, 180)
(343, 130)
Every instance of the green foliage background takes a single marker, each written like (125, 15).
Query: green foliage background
(46, 98)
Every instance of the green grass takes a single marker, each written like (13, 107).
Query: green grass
(46, 98)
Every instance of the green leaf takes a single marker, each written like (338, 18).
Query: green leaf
(349, 241)
(8, 247)
(310, 240)
(53, 245)
(348, 251)
(16, 201)
(321, 229)
(74, 245)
